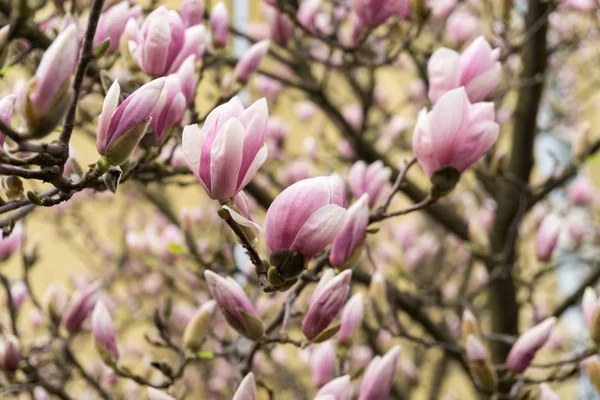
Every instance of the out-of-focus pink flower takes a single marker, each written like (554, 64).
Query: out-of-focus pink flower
(306, 216)
(281, 28)
(53, 302)
(80, 304)
(105, 336)
(379, 377)
(373, 13)
(352, 318)
(462, 25)
(582, 192)
(369, 179)
(353, 114)
(192, 12)
(338, 388)
(523, 351)
(10, 353)
(479, 364)
(112, 24)
(323, 364)
(235, 305)
(188, 79)
(440, 9)
(476, 68)
(229, 149)
(19, 293)
(121, 128)
(7, 105)
(219, 23)
(327, 301)
(250, 61)
(247, 389)
(168, 113)
(12, 243)
(547, 237)
(49, 92)
(307, 11)
(455, 133)
(347, 245)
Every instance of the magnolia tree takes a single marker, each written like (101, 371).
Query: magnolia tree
(297, 273)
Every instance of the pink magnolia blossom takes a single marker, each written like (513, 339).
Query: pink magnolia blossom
(235, 305)
(348, 243)
(121, 128)
(325, 304)
(12, 243)
(523, 351)
(103, 331)
(247, 389)
(219, 23)
(112, 24)
(306, 216)
(338, 388)
(80, 304)
(476, 68)
(168, 113)
(455, 133)
(368, 179)
(250, 61)
(375, 12)
(323, 364)
(10, 353)
(547, 237)
(352, 318)
(379, 377)
(192, 12)
(228, 150)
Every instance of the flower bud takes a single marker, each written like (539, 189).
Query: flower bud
(49, 92)
(470, 325)
(379, 377)
(229, 149)
(168, 113)
(592, 369)
(282, 28)
(10, 353)
(479, 363)
(302, 221)
(547, 237)
(53, 302)
(80, 304)
(196, 329)
(111, 24)
(307, 12)
(103, 331)
(351, 319)
(192, 12)
(121, 128)
(250, 61)
(12, 243)
(523, 351)
(247, 389)
(591, 313)
(7, 105)
(219, 23)
(369, 180)
(19, 293)
(378, 293)
(373, 13)
(235, 305)
(347, 246)
(323, 364)
(325, 305)
(338, 388)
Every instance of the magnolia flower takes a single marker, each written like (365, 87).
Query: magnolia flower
(523, 351)
(226, 153)
(379, 377)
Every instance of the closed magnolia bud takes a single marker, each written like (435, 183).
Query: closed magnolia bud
(378, 293)
(469, 325)
(523, 351)
(347, 245)
(307, 11)
(250, 61)
(219, 23)
(352, 318)
(192, 12)
(121, 128)
(104, 334)
(479, 363)
(196, 329)
(368, 179)
(323, 364)
(591, 313)
(12, 243)
(53, 302)
(247, 389)
(10, 353)
(235, 305)
(80, 304)
(379, 377)
(547, 237)
(112, 24)
(338, 388)
(49, 92)
(325, 304)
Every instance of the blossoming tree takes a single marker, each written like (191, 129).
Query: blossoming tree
(380, 196)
